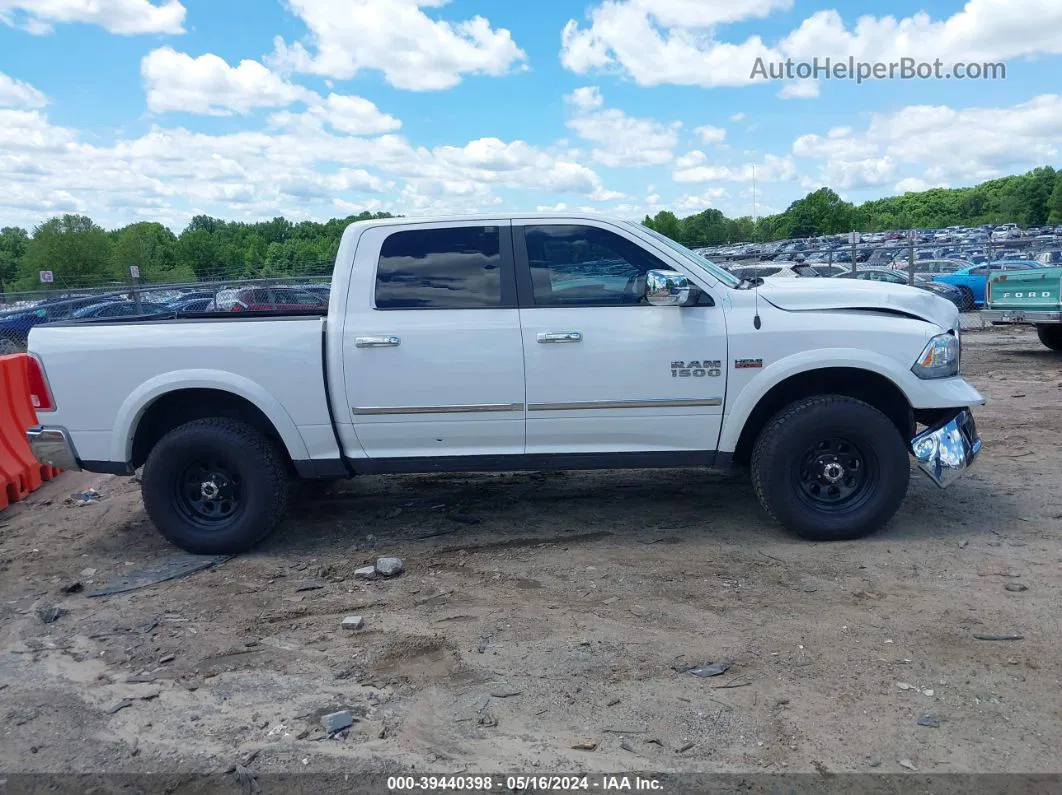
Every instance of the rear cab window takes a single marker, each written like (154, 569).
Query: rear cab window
(464, 267)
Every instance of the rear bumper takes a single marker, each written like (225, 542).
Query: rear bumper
(947, 450)
(52, 447)
(1017, 316)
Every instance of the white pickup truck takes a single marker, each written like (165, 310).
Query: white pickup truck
(522, 342)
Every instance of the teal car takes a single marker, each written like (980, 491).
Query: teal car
(971, 280)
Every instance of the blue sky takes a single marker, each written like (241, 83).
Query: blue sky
(131, 110)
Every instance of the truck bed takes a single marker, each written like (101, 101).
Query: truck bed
(273, 359)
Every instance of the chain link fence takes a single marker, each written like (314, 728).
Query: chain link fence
(21, 312)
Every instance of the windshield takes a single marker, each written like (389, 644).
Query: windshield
(725, 277)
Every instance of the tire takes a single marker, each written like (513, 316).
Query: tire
(1050, 335)
(9, 346)
(789, 464)
(967, 303)
(245, 471)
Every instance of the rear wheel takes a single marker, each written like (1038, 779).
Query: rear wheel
(8, 346)
(830, 468)
(966, 303)
(1050, 335)
(215, 486)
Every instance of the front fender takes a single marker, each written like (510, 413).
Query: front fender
(921, 394)
(138, 402)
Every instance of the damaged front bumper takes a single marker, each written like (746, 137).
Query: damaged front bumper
(947, 450)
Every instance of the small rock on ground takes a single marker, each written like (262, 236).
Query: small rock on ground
(353, 622)
(365, 573)
(926, 719)
(337, 721)
(389, 567)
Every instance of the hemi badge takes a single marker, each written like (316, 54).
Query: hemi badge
(747, 364)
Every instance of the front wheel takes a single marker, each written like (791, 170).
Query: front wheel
(830, 468)
(215, 486)
(1050, 335)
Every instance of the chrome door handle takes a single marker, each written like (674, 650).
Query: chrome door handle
(377, 342)
(565, 336)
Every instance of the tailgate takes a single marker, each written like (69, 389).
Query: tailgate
(1037, 289)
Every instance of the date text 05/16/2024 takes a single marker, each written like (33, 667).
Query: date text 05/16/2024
(540, 783)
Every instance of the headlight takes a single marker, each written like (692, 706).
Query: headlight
(939, 359)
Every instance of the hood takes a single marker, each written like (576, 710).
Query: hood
(809, 295)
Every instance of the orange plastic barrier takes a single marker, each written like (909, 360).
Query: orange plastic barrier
(20, 472)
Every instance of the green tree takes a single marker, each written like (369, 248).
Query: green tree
(1054, 203)
(822, 212)
(666, 223)
(76, 250)
(13, 242)
(153, 248)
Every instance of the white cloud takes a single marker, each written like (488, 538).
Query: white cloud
(695, 169)
(680, 42)
(396, 37)
(348, 114)
(559, 207)
(982, 30)
(17, 94)
(710, 134)
(302, 169)
(626, 36)
(620, 140)
(691, 159)
(695, 203)
(601, 194)
(627, 33)
(175, 81)
(802, 89)
(737, 118)
(124, 17)
(911, 185)
(940, 144)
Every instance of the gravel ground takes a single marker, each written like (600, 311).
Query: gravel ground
(542, 622)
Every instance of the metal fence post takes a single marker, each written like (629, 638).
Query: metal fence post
(910, 257)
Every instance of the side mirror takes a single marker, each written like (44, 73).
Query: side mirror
(670, 288)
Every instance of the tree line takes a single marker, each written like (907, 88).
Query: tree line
(1031, 199)
(80, 253)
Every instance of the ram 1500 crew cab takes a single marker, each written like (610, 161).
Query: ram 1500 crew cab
(513, 343)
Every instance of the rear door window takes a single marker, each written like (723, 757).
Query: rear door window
(455, 268)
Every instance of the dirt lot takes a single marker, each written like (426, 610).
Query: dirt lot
(539, 612)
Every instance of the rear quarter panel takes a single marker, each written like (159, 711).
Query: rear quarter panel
(104, 377)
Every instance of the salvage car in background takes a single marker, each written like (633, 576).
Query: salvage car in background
(15, 325)
(894, 276)
(120, 308)
(775, 270)
(259, 299)
(972, 280)
(1029, 298)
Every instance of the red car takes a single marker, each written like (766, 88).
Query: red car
(257, 299)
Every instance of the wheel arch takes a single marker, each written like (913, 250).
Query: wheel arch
(171, 400)
(859, 383)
